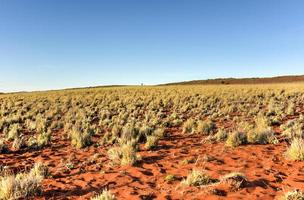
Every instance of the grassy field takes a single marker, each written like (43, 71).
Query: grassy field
(157, 142)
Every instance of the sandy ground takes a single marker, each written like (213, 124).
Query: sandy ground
(81, 174)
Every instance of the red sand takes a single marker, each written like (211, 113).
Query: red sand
(269, 173)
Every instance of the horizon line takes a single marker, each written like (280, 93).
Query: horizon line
(158, 84)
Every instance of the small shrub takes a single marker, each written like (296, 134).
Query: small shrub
(40, 170)
(13, 132)
(293, 129)
(30, 125)
(3, 146)
(221, 135)
(196, 178)
(291, 109)
(294, 195)
(32, 142)
(205, 127)
(21, 185)
(265, 136)
(235, 180)
(187, 161)
(105, 195)
(40, 141)
(44, 139)
(236, 139)
(7, 187)
(261, 133)
(159, 132)
(152, 142)
(56, 125)
(19, 143)
(169, 178)
(129, 132)
(145, 130)
(245, 127)
(188, 126)
(125, 154)
(176, 122)
(79, 138)
(116, 129)
(275, 121)
(301, 118)
(41, 125)
(296, 150)
(69, 165)
(209, 139)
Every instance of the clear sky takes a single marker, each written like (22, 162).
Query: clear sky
(47, 44)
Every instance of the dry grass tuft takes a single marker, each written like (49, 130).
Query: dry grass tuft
(21, 185)
(296, 150)
(236, 139)
(235, 180)
(105, 195)
(80, 138)
(205, 127)
(197, 178)
(152, 142)
(189, 126)
(294, 195)
(124, 154)
(261, 133)
(3, 146)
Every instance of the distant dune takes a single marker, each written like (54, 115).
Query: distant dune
(277, 79)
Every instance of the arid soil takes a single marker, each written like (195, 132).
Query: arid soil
(80, 174)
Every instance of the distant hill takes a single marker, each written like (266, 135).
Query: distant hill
(277, 79)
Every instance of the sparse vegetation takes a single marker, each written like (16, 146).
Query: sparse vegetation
(235, 180)
(124, 154)
(18, 143)
(39, 141)
(220, 136)
(296, 150)
(169, 178)
(152, 142)
(40, 169)
(21, 185)
(189, 126)
(125, 127)
(293, 129)
(294, 195)
(197, 178)
(80, 138)
(3, 146)
(261, 134)
(205, 127)
(105, 195)
(236, 139)
(13, 132)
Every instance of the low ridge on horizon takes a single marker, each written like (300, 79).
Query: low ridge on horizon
(248, 80)
(214, 81)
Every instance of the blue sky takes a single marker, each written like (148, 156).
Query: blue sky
(72, 43)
